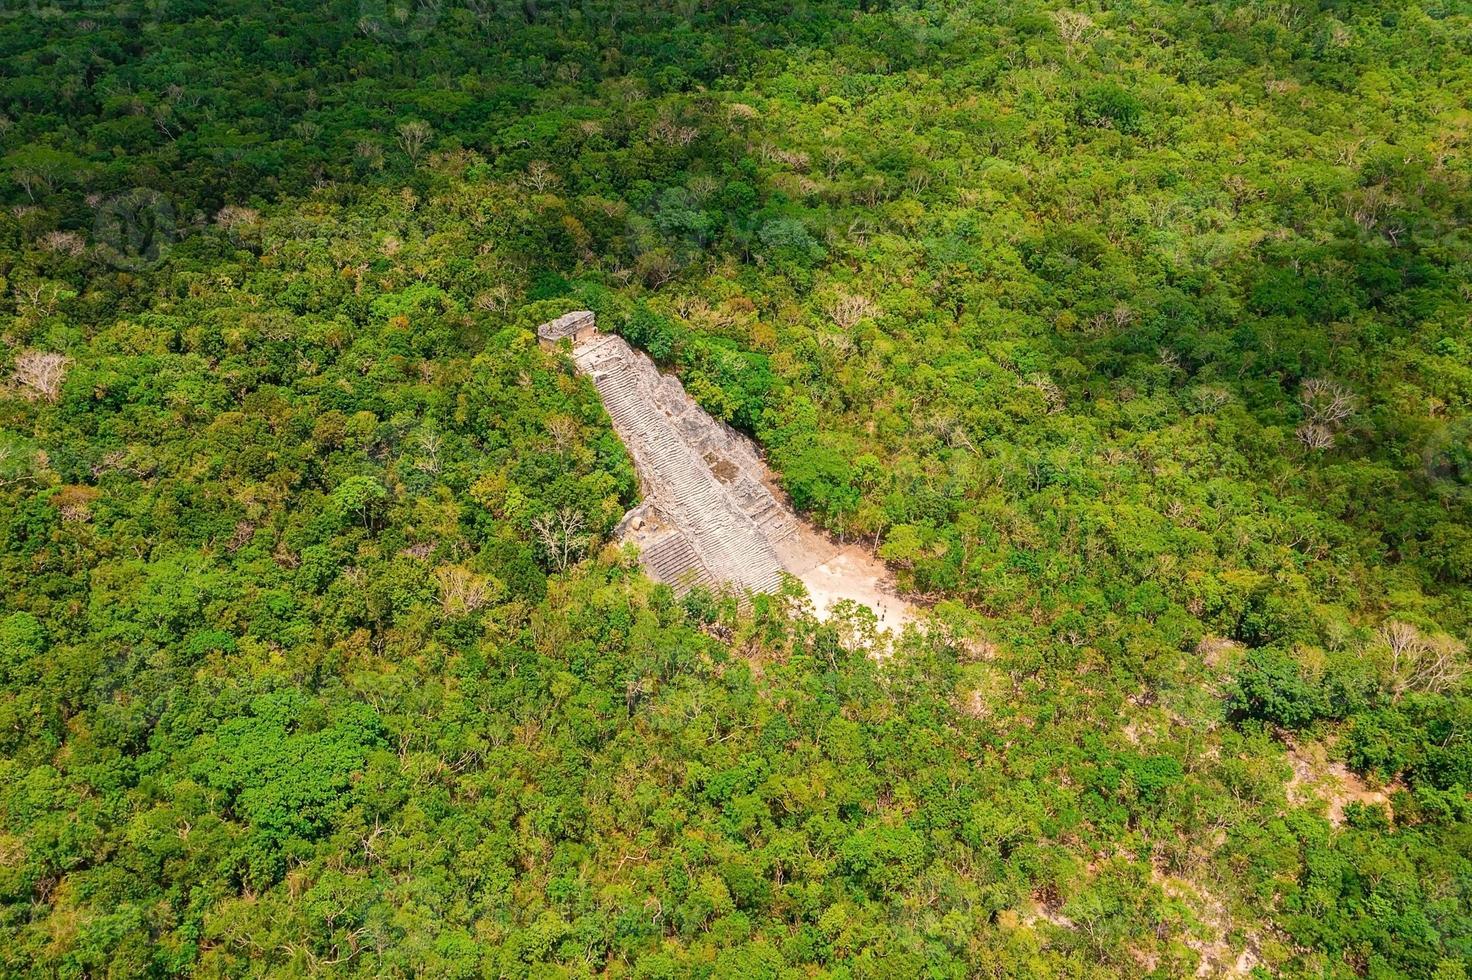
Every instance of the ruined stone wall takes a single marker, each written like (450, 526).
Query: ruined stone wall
(577, 327)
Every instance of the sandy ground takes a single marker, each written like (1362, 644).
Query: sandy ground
(832, 574)
(852, 574)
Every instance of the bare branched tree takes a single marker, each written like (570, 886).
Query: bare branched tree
(1315, 436)
(667, 129)
(1050, 391)
(63, 243)
(493, 300)
(560, 534)
(540, 176)
(1074, 27)
(1349, 151)
(840, 343)
(39, 374)
(1325, 402)
(461, 590)
(1419, 662)
(429, 448)
(37, 300)
(1373, 207)
(370, 153)
(834, 157)
(23, 471)
(847, 309)
(1210, 398)
(564, 432)
(233, 216)
(1326, 407)
(413, 136)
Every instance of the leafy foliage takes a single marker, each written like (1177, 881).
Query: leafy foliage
(1133, 339)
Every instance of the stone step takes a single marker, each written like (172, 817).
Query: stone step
(668, 436)
(673, 561)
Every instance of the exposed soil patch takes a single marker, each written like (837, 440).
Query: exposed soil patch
(1330, 784)
(833, 574)
(1219, 956)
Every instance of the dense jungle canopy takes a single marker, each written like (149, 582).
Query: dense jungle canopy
(1135, 336)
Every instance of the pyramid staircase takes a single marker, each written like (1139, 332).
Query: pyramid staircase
(718, 541)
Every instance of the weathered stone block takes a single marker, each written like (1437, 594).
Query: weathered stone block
(577, 326)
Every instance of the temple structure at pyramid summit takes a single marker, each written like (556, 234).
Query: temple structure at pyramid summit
(710, 515)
